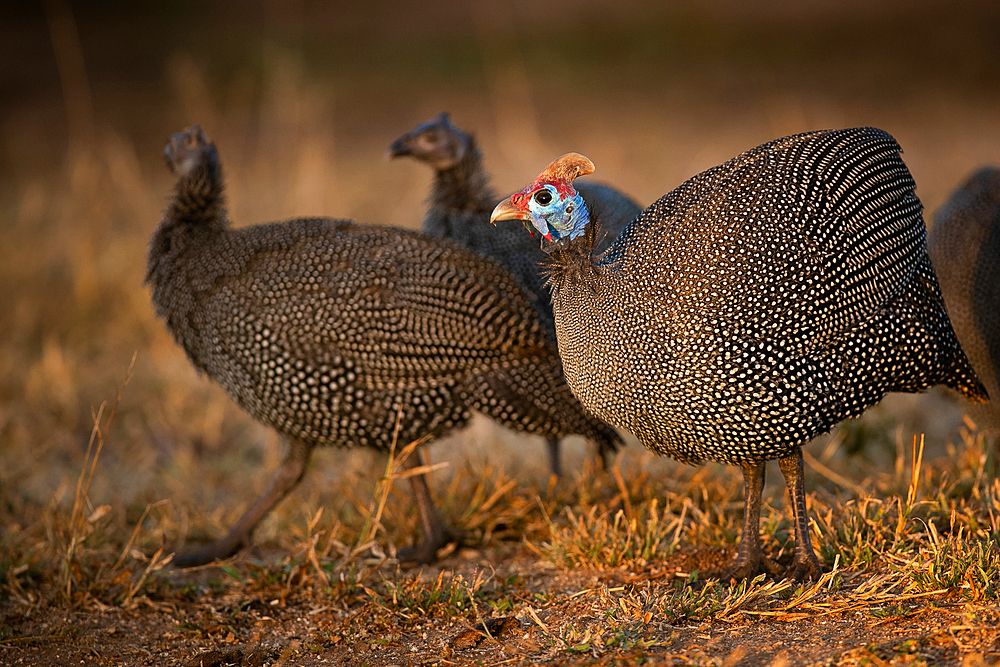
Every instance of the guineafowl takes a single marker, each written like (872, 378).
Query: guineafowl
(334, 333)
(752, 308)
(459, 208)
(964, 245)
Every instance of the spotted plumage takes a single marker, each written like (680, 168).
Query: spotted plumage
(459, 207)
(964, 245)
(329, 332)
(753, 308)
(461, 200)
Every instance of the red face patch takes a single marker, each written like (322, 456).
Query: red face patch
(564, 188)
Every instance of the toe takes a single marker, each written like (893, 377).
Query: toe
(806, 569)
(422, 554)
(749, 568)
(220, 549)
(426, 551)
(195, 557)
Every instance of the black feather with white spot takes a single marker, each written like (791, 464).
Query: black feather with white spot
(760, 303)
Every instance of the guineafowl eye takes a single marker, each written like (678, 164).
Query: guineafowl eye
(431, 137)
(543, 197)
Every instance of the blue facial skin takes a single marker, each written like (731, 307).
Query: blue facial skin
(564, 219)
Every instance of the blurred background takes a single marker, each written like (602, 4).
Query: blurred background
(303, 98)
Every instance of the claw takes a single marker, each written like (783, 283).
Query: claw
(751, 565)
(806, 569)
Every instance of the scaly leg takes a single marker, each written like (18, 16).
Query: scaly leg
(750, 560)
(286, 479)
(606, 457)
(553, 445)
(806, 564)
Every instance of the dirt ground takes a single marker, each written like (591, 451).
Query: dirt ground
(244, 625)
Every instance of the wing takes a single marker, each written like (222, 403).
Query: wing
(391, 306)
(802, 238)
(461, 312)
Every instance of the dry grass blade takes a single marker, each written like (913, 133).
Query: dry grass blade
(534, 617)
(911, 491)
(482, 512)
(78, 523)
(156, 563)
(374, 515)
(837, 479)
(373, 520)
(312, 537)
(418, 470)
(807, 593)
(918, 460)
(477, 584)
(135, 532)
(748, 592)
(616, 470)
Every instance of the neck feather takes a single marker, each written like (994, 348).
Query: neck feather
(199, 198)
(574, 257)
(464, 187)
(197, 210)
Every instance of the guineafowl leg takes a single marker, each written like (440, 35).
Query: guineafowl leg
(436, 533)
(806, 563)
(286, 479)
(554, 466)
(750, 560)
(606, 456)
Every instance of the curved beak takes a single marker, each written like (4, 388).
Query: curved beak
(399, 147)
(506, 210)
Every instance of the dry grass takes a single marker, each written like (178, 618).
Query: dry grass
(113, 451)
(611, 566)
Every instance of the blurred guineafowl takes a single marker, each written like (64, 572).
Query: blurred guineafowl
(329, 332)
(964, 245)
(752, 308)
(459, 208)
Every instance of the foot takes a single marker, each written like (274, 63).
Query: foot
(188, 150)
(426, 551)
(220, 549)
(805, 568)
(749, 566)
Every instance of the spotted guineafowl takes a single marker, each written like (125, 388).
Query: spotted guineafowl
(459, 208)
(329, 332)
(964, 245)
(752, 308)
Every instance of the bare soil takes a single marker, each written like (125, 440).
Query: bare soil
(242, 624)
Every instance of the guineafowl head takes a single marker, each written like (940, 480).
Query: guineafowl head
(436, 142)
(191, 151)
(551, 204)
